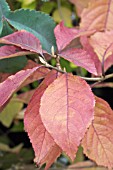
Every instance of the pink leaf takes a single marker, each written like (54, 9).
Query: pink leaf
(98, 15)
(98, 141)
(108, 62)
(66, 110)
(102, 44)
(12, 83)
(65, 35)
(41, 140)
(80, 58)
(12, 51)
(23, 39)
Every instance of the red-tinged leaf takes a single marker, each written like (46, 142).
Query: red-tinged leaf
(108, 62)
(98, 141)
(53, 153)
(80, 5)
(80, 58)
(12, 83)
(12, 51)
(41, 140)
(65, 35)
(98, 15)
(66, 111)
(23, 39)
(102, 44)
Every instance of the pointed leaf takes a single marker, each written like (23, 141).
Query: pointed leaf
(12, 83)
(12, 51)
(87, 47)
(102, 43)
(98, 15)
(65, 35)
(37, 23)
(4, 10)
(98, 141)
(80, 5)
(23, 39)
(80, 58)
(41, 140)
(67, 111)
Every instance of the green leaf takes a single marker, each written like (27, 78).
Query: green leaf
(4, 11)
(38, 23)
(6, 29)
(10, 111)
(12, 65)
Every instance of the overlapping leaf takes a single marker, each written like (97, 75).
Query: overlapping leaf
(80, 58)
(46, 150)
(102, 43)
(4, 11)
(98, 15)
(12, 51)
(98, 64)
(12, 83)
(65, 35)
(23, 39)
(37, 23)
(98, 141)
(67, 111)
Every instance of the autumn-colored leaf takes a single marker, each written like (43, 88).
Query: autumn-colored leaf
(80, 58)
(23, 39)
(102, 43)
(12, 51)
(98, 64)
(80, 5)
(98, 15)
(67, 110)
(98, 141)
(65, 35)
(12, 83)
(41, 140)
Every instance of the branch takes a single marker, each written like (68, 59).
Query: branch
(98, 78)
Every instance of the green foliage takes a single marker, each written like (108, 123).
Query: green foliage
(12, 65)
(38, 23)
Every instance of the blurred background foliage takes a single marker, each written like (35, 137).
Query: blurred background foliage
(15, 149)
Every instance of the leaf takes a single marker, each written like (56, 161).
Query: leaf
(80, 5)
(10, 111)
(102, 44)
(12, 51)
(26, 97)
(98, 15)
(4, 11)
(6, 29)
(37, 23)
(12, 65)
(80, 58)
(12, 83)
(87, 47)
(23, 39)
(98, 141)
(41, 140)
(66, 111)
(65, 35)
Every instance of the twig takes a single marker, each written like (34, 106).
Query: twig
(98, 78)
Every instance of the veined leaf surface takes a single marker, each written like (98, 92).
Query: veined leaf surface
(66, 111)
